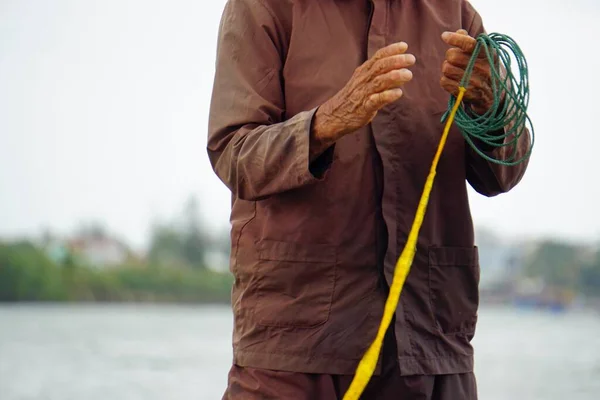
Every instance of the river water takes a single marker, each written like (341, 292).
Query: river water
(149, 352)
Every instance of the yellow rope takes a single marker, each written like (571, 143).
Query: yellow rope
(367, 365)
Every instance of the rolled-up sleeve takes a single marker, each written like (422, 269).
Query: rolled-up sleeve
(252, 148)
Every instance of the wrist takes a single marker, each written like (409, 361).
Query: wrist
(326, 128)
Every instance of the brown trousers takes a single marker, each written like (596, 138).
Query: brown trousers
(254, 384)
(260, 384)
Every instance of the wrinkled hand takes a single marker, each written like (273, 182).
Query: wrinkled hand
(479, 92)
(373, 85)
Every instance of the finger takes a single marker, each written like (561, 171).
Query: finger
(378, 100)
(390, 50)
(394, 49)
(391, 63)
(477, 79)
(449, 85)
(462, 32)
(464, 42)
(473, 95)
(460, 59)
(482, 67)
(390, 80)
(457, 57)
(453, 72)
(479, 92)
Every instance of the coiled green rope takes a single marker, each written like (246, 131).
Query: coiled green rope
(507, 114)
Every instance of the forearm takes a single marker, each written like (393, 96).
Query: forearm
(491, 179)
(488, 178)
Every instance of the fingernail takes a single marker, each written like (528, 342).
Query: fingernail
(411, 59)
(445, 35)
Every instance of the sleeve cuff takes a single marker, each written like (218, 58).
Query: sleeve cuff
(316, 170)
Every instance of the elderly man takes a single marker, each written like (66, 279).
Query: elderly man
(324, 121)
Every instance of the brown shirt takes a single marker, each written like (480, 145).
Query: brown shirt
(314, 245)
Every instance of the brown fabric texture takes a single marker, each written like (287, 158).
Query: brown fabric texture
(314, 245)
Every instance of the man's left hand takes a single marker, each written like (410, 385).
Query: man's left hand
(479, 89)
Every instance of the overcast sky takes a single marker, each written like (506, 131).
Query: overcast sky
(104, 104)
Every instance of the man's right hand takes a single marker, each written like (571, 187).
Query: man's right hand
(373, 85)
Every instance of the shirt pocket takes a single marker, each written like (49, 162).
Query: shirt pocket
(296, 283)
(454, 288)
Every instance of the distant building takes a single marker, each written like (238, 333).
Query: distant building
(99, 252)
(93, 248)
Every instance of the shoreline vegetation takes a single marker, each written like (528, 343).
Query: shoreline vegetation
(548, 280)
(187, 263)
(28, 274)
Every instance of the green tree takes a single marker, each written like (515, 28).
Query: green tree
(27, 274)
(166, 246)
(557, 263)
(181, 243)
(194, 238)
